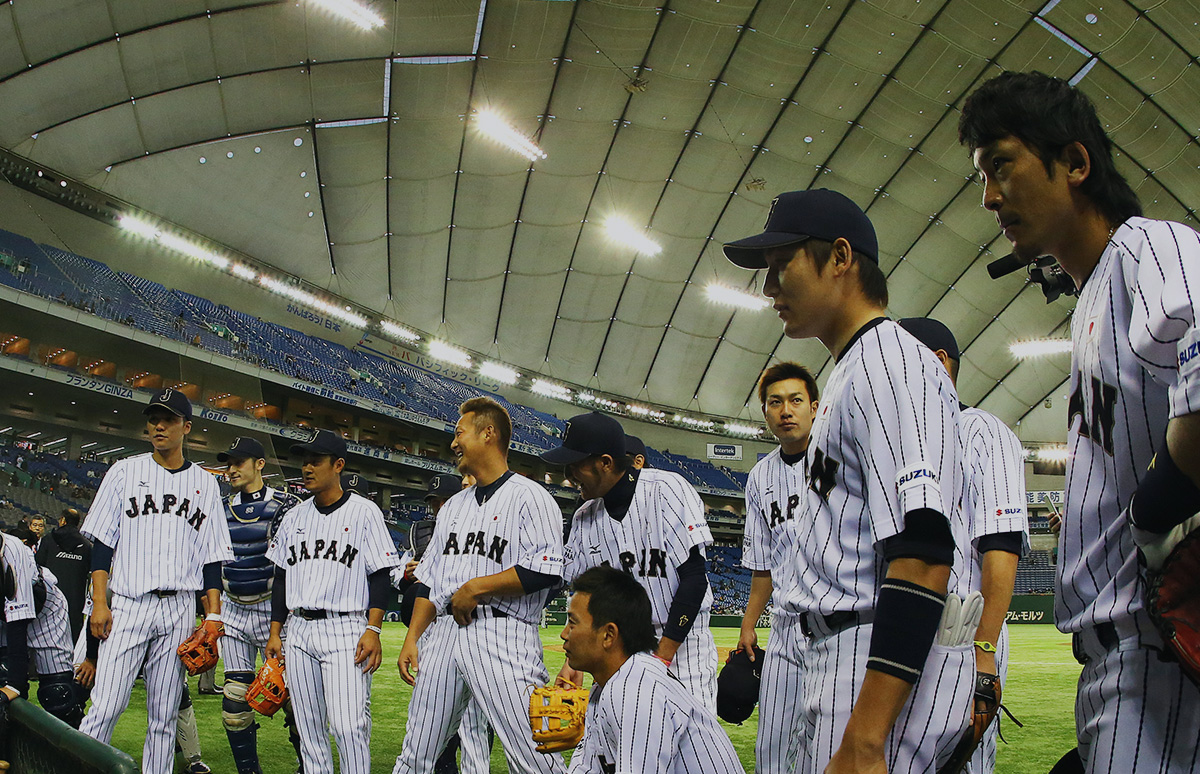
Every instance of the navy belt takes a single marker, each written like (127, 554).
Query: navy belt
(815, 624)
(319, 615)
(161, 593)
(1106, 635)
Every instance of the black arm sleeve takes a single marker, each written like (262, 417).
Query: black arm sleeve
(378, 585)
(93, 643)
(279, 609)
(693, 584)
(17, 657)
(212, 576)
(102, 556)
(1012, 542)
(926, 536)
(422, 591)
(536, 581)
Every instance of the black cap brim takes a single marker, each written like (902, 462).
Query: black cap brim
(561, 455)
(156, 404)
(748, 253)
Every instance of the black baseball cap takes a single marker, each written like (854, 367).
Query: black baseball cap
(243, 447)
(172, 400)
(738, 684)
(354, 482)
(587, 435)
(932, 333)
(634, 446)
(799, 215)
(322, 442)
(443, 485)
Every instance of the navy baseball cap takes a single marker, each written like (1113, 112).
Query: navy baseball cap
(243, 447)
(587, 435)
(443, 485)
(932, 333)
(738, 684)
(323, 442)
(354, 482)
(634, 446)
(172, 400)
(799, 215)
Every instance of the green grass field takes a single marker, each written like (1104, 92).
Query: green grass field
(1041, 690)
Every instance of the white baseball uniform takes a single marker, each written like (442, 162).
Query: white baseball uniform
(774, 497)
(327, 553)
(1133, 366)
(663, 523)
(993, 504)
(884, 444)
(497, 658)
(164, 526)
(644, 720)
(49, 633)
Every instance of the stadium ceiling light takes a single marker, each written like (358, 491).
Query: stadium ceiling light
(90, 445)
(591, 398)
(1040, 347)
(500, 373)
(702, 424)
(747, 430)
(398, 331)
(723, 294)
(308, 299)
(5, 430)
(353, 12)
(138, 227)
(492, 125)
(440, 350)
(1056, 453)
(623, 232)
(52, 443)
(192, 250)
(543, 387)
(644, 411)
(244, 271)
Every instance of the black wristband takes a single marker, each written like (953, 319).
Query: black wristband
(907, 616)
(1165, 497)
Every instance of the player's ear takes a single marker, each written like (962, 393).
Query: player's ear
(187, 426)
(841, 256)
(1078, 163)
(260, 463)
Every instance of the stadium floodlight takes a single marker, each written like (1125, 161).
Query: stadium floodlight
(52, 443)
(440, 350)
(500, 373)
(90, 445)
(308, 299)
(700, 424)
(493, 126)
(353, 12)
(1054, 453)
(644, 411)
(550, 389)
(138, 227)
(747, 430)
(192, 250)
(598, 400)
(398, 331)
(243, 271)
(723, 294)
(623, 232)
(1040, 347)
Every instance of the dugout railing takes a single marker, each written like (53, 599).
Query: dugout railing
(39, 743)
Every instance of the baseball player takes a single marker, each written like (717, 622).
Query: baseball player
(253, 511)
(639, 717)
(333, 555)
(889, 671)
(649, 523)
(35, 621)
(1134, 441)
(995, 511)
(774, 490)
(495, 556)
(635, 450)
(473, 734)
(156, 523)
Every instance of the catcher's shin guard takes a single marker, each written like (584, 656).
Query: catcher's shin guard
(57, 695)
(187, 736)
(239, 723)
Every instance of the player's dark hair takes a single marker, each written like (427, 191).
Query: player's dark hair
(489, 412)
(781, 372)
(617, 598)
(24, 534)
(953, 368)
(1048, 114)
(871, 278)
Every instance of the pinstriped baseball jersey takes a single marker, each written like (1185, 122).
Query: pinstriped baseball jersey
(328, 552)
(1133, 362)
(884, 443)
(774, 498)
(644, 720)
(19, 558)
(517, 524)
(994, 497)
(664, 522)
(163, 525)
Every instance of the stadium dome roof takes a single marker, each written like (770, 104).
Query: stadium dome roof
(238, 119)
